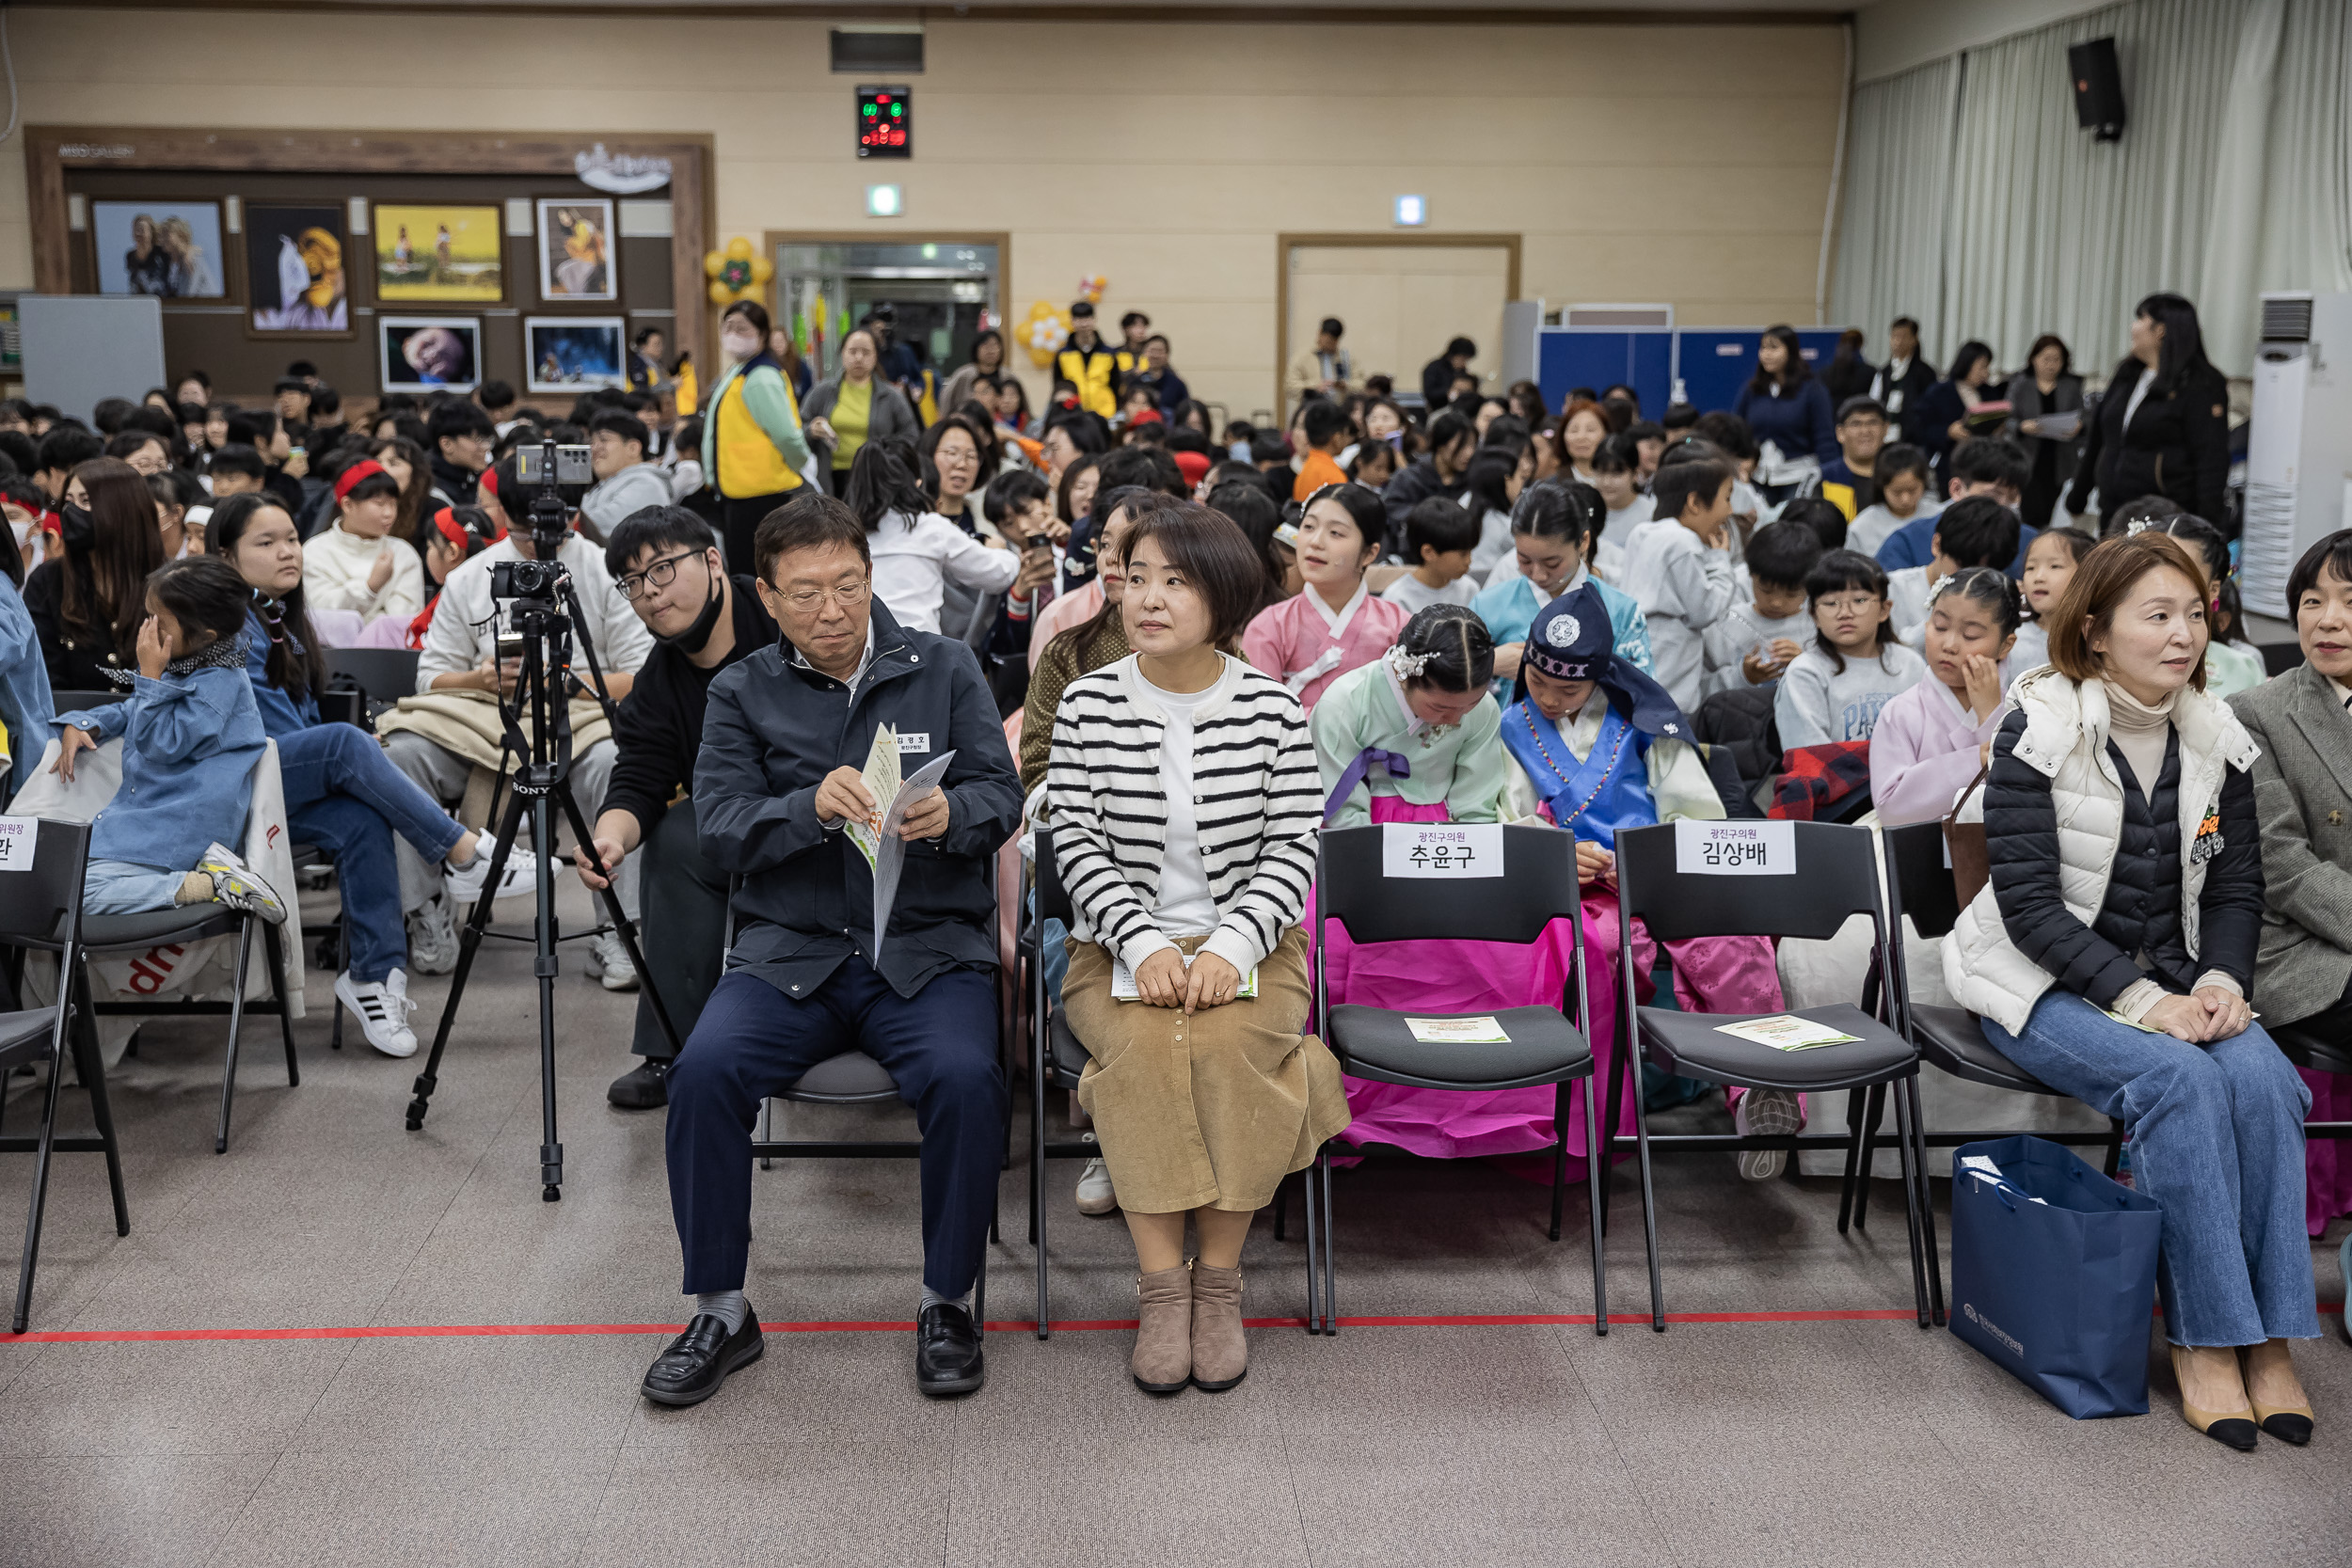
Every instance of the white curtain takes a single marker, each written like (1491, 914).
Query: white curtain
(1890, 253)
(2233, 176)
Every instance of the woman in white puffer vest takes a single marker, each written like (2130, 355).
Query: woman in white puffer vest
(2111, 953)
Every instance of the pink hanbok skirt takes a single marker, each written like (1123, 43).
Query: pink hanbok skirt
(1711, 974)
(2327, 1162)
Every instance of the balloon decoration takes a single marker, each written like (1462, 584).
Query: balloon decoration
(738, 272)
(1091, 289)
(1044, 332)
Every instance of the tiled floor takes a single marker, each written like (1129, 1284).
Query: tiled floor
(1752, 1443)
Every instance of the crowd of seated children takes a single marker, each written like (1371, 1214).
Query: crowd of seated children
(1834, 690)
(1992, 466)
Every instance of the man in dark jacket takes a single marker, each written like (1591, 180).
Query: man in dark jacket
(1452, 441)
(779, 780)
(1436, 377)
(1903, 380)
(665, 561)
(462, 439)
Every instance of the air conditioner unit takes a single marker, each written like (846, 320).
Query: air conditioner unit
(2299, 458)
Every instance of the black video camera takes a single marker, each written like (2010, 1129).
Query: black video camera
(554, 479)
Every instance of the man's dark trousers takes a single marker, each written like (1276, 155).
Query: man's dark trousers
(752, 1041)
(683, 928)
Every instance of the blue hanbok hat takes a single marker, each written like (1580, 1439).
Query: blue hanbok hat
(1573, 640)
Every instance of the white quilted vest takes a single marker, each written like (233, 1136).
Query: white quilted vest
(2066, 740)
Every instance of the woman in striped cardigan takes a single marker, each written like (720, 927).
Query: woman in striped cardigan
(1183, 797)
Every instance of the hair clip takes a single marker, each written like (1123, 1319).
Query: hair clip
(2137, 526)
(1408, 666)
(1286, 534)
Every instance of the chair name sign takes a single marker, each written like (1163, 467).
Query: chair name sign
(1442, 852)
(1736, 848)
(19, 836)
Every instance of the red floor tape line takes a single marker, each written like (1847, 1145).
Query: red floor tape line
(465, 1331)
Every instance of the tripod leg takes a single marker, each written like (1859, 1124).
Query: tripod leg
(551, 1151)
(468, 943)
(621, 921)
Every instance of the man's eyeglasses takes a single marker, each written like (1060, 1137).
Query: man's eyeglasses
(807, 601)
(658, 575)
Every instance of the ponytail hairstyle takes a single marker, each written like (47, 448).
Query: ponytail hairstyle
(296, 664)
(1991, 587)
(882, 480)
(1446, 646)
(1837, 572)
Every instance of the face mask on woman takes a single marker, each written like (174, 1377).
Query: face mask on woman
(739, 346)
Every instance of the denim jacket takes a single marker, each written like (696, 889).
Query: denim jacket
(189, 744)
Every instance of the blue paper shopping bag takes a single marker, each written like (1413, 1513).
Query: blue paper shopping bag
(2057, 1292)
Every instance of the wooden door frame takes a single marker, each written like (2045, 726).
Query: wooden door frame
(1285, 244)
(50, 151)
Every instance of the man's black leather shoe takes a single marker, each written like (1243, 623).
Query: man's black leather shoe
(644, 1087)
(698, 1360)
(947, 1350)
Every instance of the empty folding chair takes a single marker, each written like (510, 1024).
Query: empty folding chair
(1808, 883)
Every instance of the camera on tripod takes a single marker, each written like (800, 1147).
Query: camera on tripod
(555, 478)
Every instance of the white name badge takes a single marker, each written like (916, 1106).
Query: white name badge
(1736, 848)
(915, 743)
(17, 838)
(1450, 852)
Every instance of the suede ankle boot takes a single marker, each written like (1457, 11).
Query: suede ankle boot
(1163, 1358)
(1220, 1352)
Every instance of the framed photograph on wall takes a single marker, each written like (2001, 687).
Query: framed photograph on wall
(576, 260)
(429, 353)
(576, 354)
(294, 268)
(170, 248)
(440, 254)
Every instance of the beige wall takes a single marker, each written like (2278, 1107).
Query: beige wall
(1683, 164)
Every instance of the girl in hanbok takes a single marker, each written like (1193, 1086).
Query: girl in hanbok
(1599, 748)
(1932, 740)
(1336, 623)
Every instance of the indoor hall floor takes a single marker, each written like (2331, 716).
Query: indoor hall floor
(1807, 1439)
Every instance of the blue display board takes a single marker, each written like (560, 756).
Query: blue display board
(1715, 362)
(1599, 357)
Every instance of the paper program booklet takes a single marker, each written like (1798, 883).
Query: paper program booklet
(1787, 1031)
(885, 852)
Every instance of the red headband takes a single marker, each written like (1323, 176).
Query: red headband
(451, 530)
(349, 478)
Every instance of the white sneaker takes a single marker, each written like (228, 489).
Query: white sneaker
(382, 1008)
(236, 885)
(1096, 1195)
(608, 959)
(432, 937)
(1766, 1112)
(464, 882)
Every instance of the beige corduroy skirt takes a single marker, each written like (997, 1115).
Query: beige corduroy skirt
(1210, 1111)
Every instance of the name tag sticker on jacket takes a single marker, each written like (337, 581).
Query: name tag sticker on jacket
(915, 743)
(1441, 851)
(2209, 839)
(1736, 848)
(18, 837)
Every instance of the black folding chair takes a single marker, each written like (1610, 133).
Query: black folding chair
(380, 676)
(41, 906)
(1835, 877)
(2306, 1049)
(852, 1078)
(1951, 1038)
(1055, 1060)
(1548, 1045)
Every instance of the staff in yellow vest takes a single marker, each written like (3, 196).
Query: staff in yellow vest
(1088, 364)
(753, 448)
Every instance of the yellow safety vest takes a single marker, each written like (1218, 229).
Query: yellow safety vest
(749, 463)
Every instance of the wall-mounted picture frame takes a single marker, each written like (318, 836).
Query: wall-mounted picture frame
(440, 254)
(429, 353)
(297, 284)
(576, 354)
(170, 247)
(576, 263)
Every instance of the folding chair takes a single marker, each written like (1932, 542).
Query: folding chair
(1951, 1038)
(1835, 877)
(1056, 1059)
(42, 905)
(1546, 1045)
(852, 1078)
(2308, 1051)
(382, 676)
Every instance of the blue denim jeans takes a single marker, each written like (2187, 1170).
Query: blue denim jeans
(2217, 1140)
(118, 887)
(343, 795)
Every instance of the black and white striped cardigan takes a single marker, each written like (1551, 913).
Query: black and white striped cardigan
(1258, 799)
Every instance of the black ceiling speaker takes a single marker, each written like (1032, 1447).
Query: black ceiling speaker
(2098, 87)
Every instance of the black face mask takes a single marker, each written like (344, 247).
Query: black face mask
(76, 527)
(697, 637)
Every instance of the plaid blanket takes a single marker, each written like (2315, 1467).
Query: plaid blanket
(1815, 780)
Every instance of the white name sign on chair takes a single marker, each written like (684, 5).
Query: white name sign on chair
(1765, 849)
(1441, 851)
(19, 835)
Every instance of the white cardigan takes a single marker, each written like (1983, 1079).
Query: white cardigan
(335, 568)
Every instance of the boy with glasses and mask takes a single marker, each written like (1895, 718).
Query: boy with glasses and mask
(665, 561)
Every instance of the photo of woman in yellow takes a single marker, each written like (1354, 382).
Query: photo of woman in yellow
(576, 250)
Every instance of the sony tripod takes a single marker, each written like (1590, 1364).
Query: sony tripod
(545, 612)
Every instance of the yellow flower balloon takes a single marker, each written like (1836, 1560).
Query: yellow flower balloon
(1044, 332)
(737, 271)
